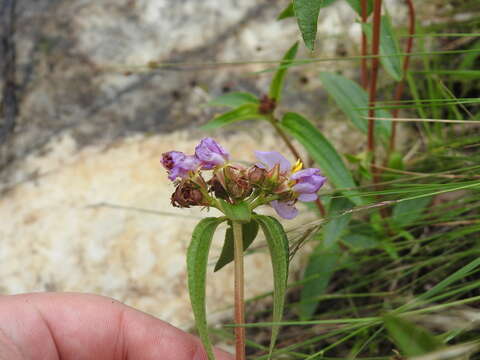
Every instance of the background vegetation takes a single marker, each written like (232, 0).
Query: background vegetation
(394, 272)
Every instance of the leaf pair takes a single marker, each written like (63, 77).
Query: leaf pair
(197, 260)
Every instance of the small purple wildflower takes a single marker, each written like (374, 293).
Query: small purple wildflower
(210, 154)
(306, 182)
(178, 164)
(309, 181)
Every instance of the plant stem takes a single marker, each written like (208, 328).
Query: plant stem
(363, 61)
(296, 154)
(285, 138)
(406, 62)
(239, 291)
(377, 10)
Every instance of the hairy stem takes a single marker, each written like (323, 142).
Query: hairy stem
(406, 63)
(296, 154)
(239, 291)
(363, 61)
(377, 10)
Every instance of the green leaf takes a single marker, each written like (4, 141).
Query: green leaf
(356, 5)
(243, 112)
(411, 339)
(278, 245)
(234, 99)
(395, 160)
(358, 242)
(407, 212)
(307, 12)
(322, 152)
(333, 230)
(389, 49)
(249, 232)
(287, 12)
(197, 259)
(389, 46)
(236, 212)
(277, 81)
(321, 266)
(353, 101)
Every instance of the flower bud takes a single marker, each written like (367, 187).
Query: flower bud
(178, 164)
(210, 154)
(256, 175)
(237, 183)
(267, 105)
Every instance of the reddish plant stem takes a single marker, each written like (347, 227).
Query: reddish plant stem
(377, 11)
(239, 291)
(296, 154)
(285, 138)
(364, 45)
(406, 63)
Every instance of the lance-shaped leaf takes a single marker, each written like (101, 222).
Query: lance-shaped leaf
(243, 112)
(334, 229)
(322, 152)
(277, 81)
(197, 259)
(278, 245)
(407, 212)
(321, 266)
(389, 49)
(411, 339)
(234, 99)
(353, 101)
(287, 12)
(307, 12)
(249, 233)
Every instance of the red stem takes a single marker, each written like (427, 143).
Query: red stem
(363, 61)
(406, 63)
(377, 10)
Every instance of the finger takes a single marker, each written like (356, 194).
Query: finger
(80, 326)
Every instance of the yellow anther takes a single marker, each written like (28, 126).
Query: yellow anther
(298, 166)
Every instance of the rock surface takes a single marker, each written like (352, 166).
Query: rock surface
(67, 230)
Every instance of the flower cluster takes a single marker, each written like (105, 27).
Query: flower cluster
(272, 180)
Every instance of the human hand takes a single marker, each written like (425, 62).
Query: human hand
(72, 326)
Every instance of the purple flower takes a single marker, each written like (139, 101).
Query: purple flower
(285, 209)
(210, 154)
(305, 182)
(268, 160)
(178, 164)
(309, 181)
